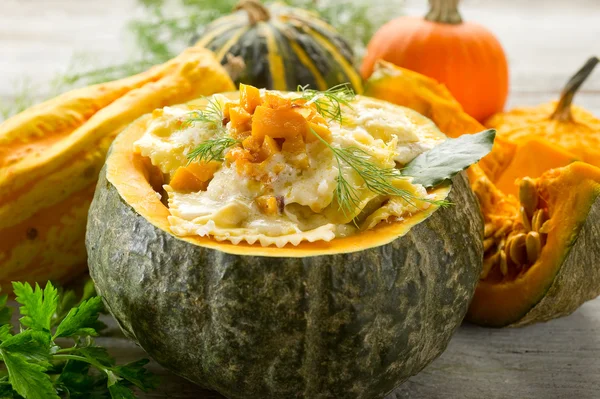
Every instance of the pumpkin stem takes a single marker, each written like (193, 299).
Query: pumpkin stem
(257, 12)
(563, 109)
(444, 12)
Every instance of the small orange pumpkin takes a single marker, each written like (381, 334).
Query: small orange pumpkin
(465, 56)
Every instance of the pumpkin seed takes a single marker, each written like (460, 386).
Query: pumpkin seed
(528, 195)
(539, 218)
(545, 229)
(488, 264)
(509, 242)
(506, 226)
(525, 220)
(503, 263)
(534, 246)
(488, 243)
(518, 252)
(488, 229)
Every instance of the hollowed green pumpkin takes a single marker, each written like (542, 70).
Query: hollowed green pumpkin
(351, 318)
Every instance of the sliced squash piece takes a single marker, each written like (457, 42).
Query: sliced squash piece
(51, 154)
(541, 247)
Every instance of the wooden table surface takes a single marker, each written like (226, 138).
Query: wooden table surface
(545, 41)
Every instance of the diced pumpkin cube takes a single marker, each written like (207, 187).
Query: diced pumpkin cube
(322, 130)
(184, 181)
(278, 123)
(241, 120)
(270, 205)
(296, 152)
(249, 98)
(202, 170)
(275, 101)
(226, 110)
(269, 147)
(253, 146)
(294, 145)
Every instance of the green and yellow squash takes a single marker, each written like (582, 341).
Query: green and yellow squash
(541, 206)
(51, 154)
(279, 47)
(352, 317)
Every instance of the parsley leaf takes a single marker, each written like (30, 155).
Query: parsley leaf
(136, 374)
(81, 320)
(76, 382)
(98, 354)
(38, 368)
(5, 332)
(31, 344)
(119, 391)
(6, 391)
(38, 306)
(5, 312)
(28, 379)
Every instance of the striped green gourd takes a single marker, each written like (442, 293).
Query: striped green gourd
(279, 47)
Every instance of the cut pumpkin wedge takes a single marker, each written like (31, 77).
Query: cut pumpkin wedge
(540, 208)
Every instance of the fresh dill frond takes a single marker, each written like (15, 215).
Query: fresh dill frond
(376, 178)
(212, 115)
(212, 149)
(329, 103)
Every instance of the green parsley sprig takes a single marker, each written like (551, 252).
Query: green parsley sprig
(38, 364)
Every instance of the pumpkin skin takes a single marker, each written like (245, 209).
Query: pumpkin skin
(281, 48)
(464, 56)
(564, 275)
(351, 318)
(51, 154)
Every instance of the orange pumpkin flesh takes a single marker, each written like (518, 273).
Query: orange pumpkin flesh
(465, 56)
(560, 123)
(571, 195)
(562, 275)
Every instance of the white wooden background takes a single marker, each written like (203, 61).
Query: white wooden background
(545, 41)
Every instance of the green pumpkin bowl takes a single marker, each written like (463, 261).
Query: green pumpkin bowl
(350, 318)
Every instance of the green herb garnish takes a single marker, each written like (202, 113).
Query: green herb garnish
(376, 178)
(39, 367)
(212, 115)
(444, 161)
(214, 148)
(329, 102)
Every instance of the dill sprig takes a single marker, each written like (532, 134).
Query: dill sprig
(214, 148)
(377, 179)
(329, 102)
(212, 115)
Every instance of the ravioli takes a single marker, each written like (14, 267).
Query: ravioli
(273, 168)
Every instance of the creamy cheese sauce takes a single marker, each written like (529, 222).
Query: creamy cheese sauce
(307, 207)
